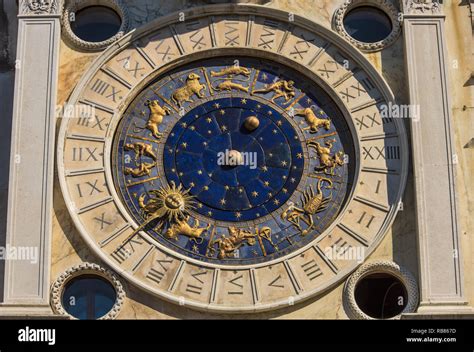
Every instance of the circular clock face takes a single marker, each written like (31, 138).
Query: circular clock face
(257, 175)
(234, 161)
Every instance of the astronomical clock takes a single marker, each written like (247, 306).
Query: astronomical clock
(231, 160)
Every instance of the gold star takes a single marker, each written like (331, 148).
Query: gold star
(284, 190)
(265, 168)
(266, 183)
(209, 213)
(184, 144)
(206, 188)
(269, 195)
(292, 180)
(255, 194)
(199, 205)
(209, 132)
(238, 215)
(241, 190)
(192, 128)
(209, 120)
(275, 131)
(243, 101)
(222, 112)
(284, 177)
(222, 201)
(204, 144)
(299, 155)
(191, 185)
(143, 112)
(224, 128)
(264, 76)
(226, 187)
(279, 123)
(180, 174)
(195, 248)
(184, 124)
(283, 163)
(200, 172)
(269, 112)
(216, 105)
(276, 201)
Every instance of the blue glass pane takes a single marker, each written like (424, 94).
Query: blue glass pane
(88, 297)
(367, 24)
(96, 23)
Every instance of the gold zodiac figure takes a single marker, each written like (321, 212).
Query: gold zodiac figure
(191, 87)
(327, 161)
(311, 205)
(312, 120)
(182, 227)
(280, 88)
(229, 85)
(236, 239)
(232, 71)
(144, 169)
(155, 119)
(140, 149)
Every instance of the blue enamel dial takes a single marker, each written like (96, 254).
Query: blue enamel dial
(233, 165)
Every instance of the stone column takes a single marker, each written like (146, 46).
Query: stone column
(441, 276)
(30, 204)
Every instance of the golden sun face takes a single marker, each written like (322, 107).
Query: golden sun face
(170, 203)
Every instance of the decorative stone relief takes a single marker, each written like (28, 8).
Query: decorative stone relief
(422, 6)
(76, 5)
(380, 266)
(81, 269)
(385, 6)
(39, 7)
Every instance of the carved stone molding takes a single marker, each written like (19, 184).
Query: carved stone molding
(82, 269)
(422, 6)
(39, 7)
(384, 5)
(74, 6)
(379, 266)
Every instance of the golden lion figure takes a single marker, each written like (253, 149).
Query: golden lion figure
(181, 227)
(229, 85)
(232, 71)
(311, 205)
(191, 87)
(327, 161)
(280, 88)
(314, 122)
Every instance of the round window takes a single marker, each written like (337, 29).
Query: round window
(88, 297)
(367, 24)
(381, 295)
(96, 23)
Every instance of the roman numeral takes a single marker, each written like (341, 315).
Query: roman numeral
(196, 288)
(92, 188)
(363, 123)
(267, 38)
(238, 287)
(300, 48)
(155, 273)
(79, 153)
(124, 252)
(341, 246)
(276, 282)
(232, 38)
(102, 221)
(312, 269)
(387, 153)
(361, 219)
(127, 65)
(101, 87)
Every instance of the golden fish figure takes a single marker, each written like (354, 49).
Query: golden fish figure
(311, 205)
(229, 85)
(232, 71)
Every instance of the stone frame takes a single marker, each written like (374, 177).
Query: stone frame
(384, 5)
(60, 283)
(380, 266)
(77, 5)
